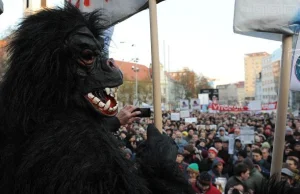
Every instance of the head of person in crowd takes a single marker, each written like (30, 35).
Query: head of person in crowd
(262, 138)
(184, 134)
(195, 137)
(287, 175)
(218, 143)
(193, 171)
(191, 131)
(212, 153)
(297, 136)
(204, 182)
(178, 137)
(242, 155)
(257, 155)
(288, 148)
(288, 131)
(222, 131)
(210, 136)
(180, 157)
(242, 171)
(128, 153)
(249, 163)
(202, 142)
(255, 146)
(181, 127)
(297, 146)
(265, 153)
(293, 163)
(123, 134)
(238, 144)
(225, 143)
(218, 165)
(169, 131)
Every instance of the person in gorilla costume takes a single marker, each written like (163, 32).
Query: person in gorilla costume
(58, 109)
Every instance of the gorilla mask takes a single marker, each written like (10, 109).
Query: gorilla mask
(99, 78)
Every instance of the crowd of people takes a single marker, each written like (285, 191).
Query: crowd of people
(203, 152)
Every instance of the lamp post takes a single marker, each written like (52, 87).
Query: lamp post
(136, 70)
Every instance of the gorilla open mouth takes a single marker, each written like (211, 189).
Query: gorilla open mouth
(105, 101)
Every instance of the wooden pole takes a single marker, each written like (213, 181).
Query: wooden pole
(280, 127)
(155, 65)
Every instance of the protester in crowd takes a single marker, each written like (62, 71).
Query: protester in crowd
(204, 184)
(241, 174)
(255, 179)
(262, 165)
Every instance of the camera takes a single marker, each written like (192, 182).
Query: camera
(145, 112)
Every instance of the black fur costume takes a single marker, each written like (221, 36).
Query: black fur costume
(53, 140)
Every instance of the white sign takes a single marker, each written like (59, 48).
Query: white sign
(254, 105)
(184, 105)
(231, 142)
(247, 135)
(190, 120)
(195, 104)
(175, 116)
(184, 114)
(204, 99)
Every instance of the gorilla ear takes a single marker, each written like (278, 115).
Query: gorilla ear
(152, 132)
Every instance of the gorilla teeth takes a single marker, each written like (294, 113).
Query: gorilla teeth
(110, 109)
(107, 90)
(101, 104)
(115, 108)
(96, 100)
(107, 105)
(90, 95)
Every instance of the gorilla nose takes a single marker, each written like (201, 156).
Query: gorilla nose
(110, 65)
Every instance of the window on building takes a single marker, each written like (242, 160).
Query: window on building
(43, 3)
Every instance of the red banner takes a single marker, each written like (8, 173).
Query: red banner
(228, 108)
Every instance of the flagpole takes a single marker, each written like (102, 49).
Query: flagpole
(279, 137)
(155, 65)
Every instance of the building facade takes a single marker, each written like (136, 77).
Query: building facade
(270, 76)
(231, 94)
(31, 6)
(253, 65)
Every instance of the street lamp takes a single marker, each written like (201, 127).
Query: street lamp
(136, 70)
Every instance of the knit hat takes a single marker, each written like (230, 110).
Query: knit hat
(265, 145)
(193, 167)
(287, 172)
(217, 161)
(128, 151)
(204, 178)
(213, 150)
(185, 133)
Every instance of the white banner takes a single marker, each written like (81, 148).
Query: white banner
(276, 17)
(295, 74)
(115, 10)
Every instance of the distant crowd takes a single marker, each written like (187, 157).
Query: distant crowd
(203, 153)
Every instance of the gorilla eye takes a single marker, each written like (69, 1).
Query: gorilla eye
(88, 56)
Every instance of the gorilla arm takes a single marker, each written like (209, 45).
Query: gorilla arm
(156, 158)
